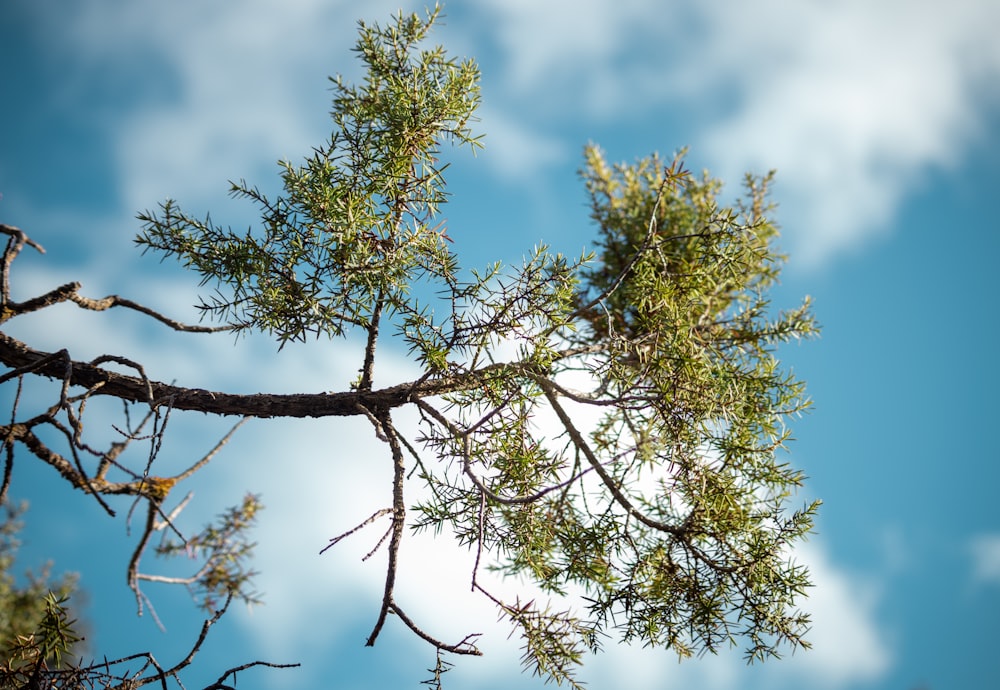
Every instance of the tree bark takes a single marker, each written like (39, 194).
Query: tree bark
(17, 355)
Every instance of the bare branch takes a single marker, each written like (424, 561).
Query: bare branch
(116, 301)
(17, 240)
(212, 453)
(374, 516)
(398, 522)
(463, 647)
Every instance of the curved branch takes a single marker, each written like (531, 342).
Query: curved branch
(398, 522)
(463, 647)
(18, 238)
(581, 444)
(116, 301)
(70, 292)
(465, 438)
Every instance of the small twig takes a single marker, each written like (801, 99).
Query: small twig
(168, 520)
(212, 453)
(116, 301)
(374, 516)
(378, 545)
(124, 361)
(379, 431)
(133, 564)
(479, 537)
(233, 671)
(463, 647)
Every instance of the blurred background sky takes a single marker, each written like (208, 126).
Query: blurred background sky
(882, 119)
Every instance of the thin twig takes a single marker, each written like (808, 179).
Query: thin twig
(115, 301)
(374, 516)
(463, 647)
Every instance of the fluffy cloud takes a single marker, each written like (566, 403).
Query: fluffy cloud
(985, 552)
(213, 92)
(851, 101)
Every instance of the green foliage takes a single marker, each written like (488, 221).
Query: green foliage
(655, 492)
(53, 638)
(683, 540)
(355, 226)
(225, 549)
(36, 631)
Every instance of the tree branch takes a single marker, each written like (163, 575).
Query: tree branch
(16, 354)
(398, 521)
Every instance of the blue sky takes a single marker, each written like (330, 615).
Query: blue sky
(883, 121)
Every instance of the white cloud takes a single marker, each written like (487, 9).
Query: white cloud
(555, 47)
(848, 645)
(240, 87)
(852, 101)
(985, 552)
(516, 151)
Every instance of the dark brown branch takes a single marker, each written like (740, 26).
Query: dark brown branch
(116, 301)
(581, 444)
(463, 647)
(17, 240)
(16, 354)
(367, 369)
(398, 521)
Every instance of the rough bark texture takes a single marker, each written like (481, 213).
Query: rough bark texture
(17, 355)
